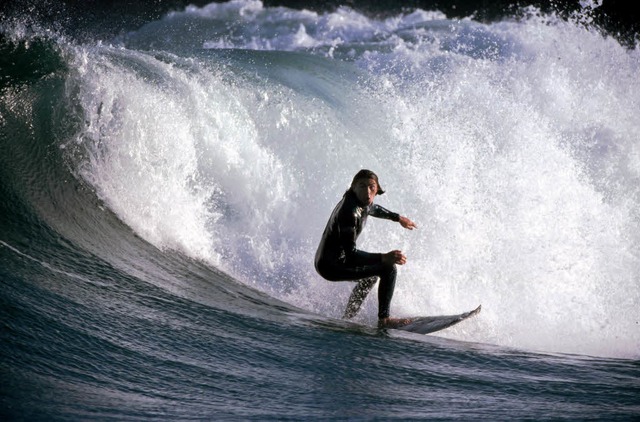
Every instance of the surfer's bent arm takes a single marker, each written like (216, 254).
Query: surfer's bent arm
(348, 235)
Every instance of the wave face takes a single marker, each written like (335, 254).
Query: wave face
(163, 193)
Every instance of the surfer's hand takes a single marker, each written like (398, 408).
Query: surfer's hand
(407, 224)
(394, 257)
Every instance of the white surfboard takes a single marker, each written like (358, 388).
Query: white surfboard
(431, 324)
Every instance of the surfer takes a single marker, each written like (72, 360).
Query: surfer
(338, 259)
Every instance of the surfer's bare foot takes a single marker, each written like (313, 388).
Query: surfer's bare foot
(393, 322)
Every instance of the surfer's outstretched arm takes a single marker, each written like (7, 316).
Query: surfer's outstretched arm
(407, 224)
(381, 212)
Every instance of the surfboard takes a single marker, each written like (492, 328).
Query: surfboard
(431, 324)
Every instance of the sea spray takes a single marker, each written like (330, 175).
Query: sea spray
(513, 145)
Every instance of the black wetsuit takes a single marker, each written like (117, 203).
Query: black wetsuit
(338, 259)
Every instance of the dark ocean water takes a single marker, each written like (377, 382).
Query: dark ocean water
(163, 189)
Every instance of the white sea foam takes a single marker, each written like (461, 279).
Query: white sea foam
(513, 145)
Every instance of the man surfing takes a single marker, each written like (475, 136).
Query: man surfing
(338, 259)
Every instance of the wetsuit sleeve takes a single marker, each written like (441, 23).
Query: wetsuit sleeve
(348, 235)
(381, 212)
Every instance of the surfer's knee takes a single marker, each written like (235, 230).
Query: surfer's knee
(369, 282)
(390, 270)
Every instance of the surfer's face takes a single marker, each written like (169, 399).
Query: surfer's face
(365, 190)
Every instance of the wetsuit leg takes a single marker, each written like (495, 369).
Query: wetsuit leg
(385, 291)
(358, 296)
(365, 268)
